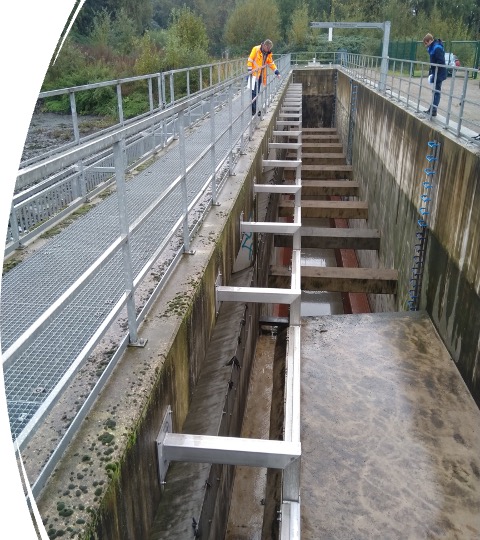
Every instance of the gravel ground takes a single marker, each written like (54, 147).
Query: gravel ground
(49, 131)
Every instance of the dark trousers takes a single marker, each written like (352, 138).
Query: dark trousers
(436, 94)
(255, 92)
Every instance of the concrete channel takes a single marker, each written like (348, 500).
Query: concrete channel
(389, 421)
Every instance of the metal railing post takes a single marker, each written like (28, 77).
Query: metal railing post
(120, 166)
(80, 184)
(462, 105)
(120, 104)
(183, 183)
(230, 130)
(150, 102)
(172, 90)
(213, 161)
(14, 226)
(73, 108)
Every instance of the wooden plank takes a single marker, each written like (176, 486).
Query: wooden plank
(329, 187)
(333, 238)
(319, 130)
(319, 137)
(323, 168)
(327, 158)
(324, 147)
(324, 172)
(339, 279)
(326, 209)
(273, 321)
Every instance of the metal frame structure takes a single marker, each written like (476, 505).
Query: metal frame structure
(108, 154)
(385, 27)
(284, 454)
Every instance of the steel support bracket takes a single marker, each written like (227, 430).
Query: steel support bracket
(166, 427)
(139, 343)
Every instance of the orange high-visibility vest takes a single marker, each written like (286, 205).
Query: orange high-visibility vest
(258, 60)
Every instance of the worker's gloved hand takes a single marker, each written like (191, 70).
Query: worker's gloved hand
(277, 73)
(249, 74)
(430, 79)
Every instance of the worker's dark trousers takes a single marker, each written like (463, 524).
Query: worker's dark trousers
(255, 91)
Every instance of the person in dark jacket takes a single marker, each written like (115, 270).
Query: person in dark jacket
(437, 73)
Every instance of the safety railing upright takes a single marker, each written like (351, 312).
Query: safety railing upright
(104, 261)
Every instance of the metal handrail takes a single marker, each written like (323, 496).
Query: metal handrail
(37, 205)
(168, 91)
(221, 166)
(407, 84)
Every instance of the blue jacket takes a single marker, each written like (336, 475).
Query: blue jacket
(437, 56)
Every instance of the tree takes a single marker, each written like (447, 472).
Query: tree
(101, 29)
(299, 29)
(252, 22)
(187, 39)
(162, 10)
(215, 14)
(139, 12)
(148, 56)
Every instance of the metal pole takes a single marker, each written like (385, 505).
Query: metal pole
(183, 172)
(80, 184)
(384, 68)
(120, 104)
(119, 161)
(213, 162)
(230, 130)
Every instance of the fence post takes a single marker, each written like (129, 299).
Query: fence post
(119, 161)
(120, 104)
(183, 183)
(213, 161)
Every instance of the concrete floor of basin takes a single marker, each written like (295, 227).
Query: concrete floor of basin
(320, 302)
(249, 489)
(390, 433)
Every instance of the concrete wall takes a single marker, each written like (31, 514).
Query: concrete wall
(390, 146)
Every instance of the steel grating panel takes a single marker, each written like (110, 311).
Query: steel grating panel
(31, 287)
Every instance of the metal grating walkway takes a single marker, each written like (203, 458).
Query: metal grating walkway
(31, 287)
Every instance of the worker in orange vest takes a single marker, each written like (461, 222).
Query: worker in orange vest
(260, 57)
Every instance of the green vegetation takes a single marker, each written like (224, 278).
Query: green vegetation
(113, 39)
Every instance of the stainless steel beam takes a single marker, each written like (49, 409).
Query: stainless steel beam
(269, 227)
(290, 521)
(260, 295)
(230, 450)
(277, 188)
(285, 163)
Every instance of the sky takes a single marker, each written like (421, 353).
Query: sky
(30, 32)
